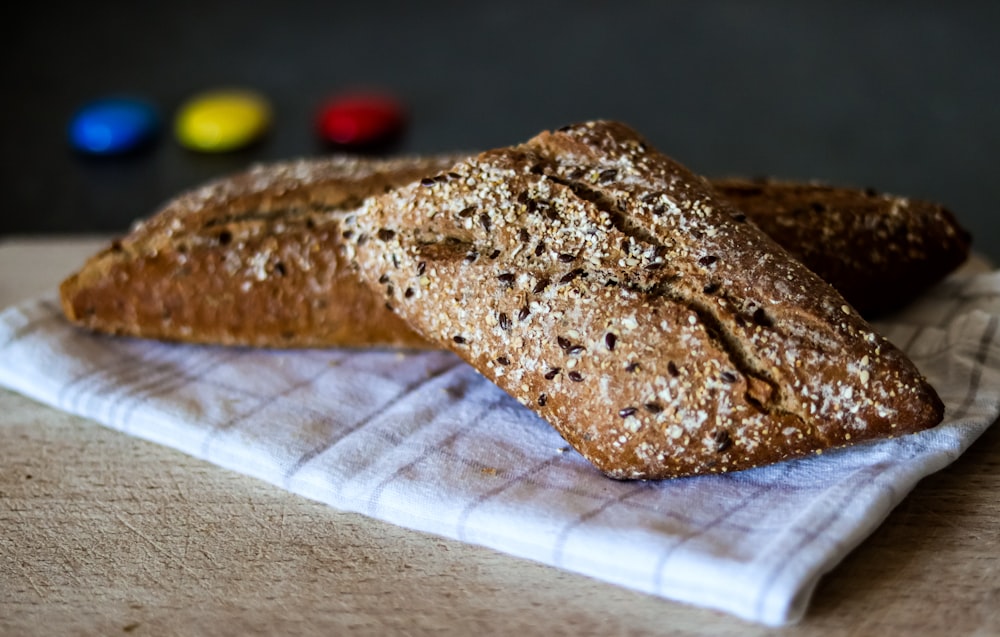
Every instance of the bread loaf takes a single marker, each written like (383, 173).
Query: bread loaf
(616, 294)
(251, 260)
(879, 251)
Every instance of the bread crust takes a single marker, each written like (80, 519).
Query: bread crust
(879, 251)
(251, 260)
(616, 294)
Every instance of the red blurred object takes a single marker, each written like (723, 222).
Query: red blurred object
(361, 120)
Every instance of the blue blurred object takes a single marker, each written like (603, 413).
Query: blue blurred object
(113, 126)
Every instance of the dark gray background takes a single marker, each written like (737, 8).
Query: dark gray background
(902, 97)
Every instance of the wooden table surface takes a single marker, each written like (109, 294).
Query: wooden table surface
(104, 534)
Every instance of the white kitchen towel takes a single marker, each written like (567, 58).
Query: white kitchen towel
(421, 440)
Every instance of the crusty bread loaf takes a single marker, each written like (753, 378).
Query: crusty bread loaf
(613, 292)
(879, 251)
(253, 259)
(250, 260)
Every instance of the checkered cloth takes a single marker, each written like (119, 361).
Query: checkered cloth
(419, 439)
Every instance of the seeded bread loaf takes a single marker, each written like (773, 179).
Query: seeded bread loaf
(613, 292)
(250, 260)
(208, 267)
(879, 251)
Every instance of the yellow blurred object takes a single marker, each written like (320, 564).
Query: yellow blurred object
(221, 121)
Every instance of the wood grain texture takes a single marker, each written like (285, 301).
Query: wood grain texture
(105, 534)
